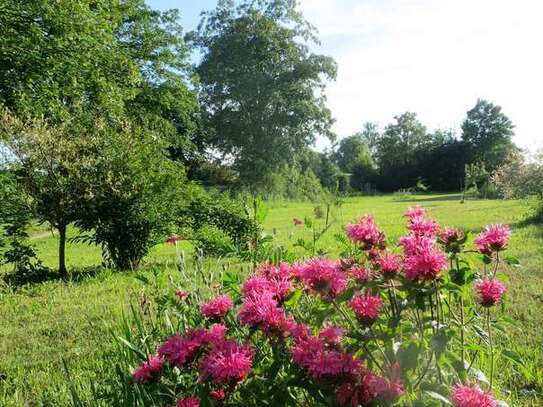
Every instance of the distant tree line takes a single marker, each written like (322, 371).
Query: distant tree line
(106, 125)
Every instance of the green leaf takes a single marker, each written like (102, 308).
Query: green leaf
(437, 396)
(511, 261)
(438, 343)
(294, 298)
(513, 357)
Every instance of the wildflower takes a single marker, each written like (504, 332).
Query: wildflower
(452, 239)
(389, 264)
(365, 233)
(262, 311)
(414, 213)
(412, 243)
(490, 291)
(181, 350)
(323, 361)
(173, 239)
(466, 396)
(218, 307)
(332, 335)
(215, 334)
(189, 401)
(149, 370)
(360, 274)
(323, 276)
(366, 308)
(493, 239)
(299, 332)
(366, 388)
(426, 264)
(218, 394)
(270, 278)
(181, 295)
(423, 227)
(227, 363)
(297, 222)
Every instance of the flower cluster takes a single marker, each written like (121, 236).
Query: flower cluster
(490, 291)
(149, 370)
(493, 239)
(217, 308)
(466, 396)
(366, 233)
(322, 276)
(366, 308)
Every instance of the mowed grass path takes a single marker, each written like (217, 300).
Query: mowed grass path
(45, 323)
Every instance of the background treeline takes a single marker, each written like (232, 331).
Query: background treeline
(106, 124)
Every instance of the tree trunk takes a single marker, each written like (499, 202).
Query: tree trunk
(62, 250)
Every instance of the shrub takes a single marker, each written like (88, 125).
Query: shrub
(217, 224)
(374, 329)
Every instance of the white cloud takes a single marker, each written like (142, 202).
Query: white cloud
(434, 57)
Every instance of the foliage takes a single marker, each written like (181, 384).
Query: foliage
(518, 178)
(488, 132)
(14, 246)
(216, 223)
(308, 332)
(137, 193)
(261, 88)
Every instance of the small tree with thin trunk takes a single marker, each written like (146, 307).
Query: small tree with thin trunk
(49, 163)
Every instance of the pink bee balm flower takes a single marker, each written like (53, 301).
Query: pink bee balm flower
(414, 213)
(365, 233)
(181, 350)
(218, 307)
(423, 227)
(217, 394)
(490, 291)
(297, 222)
(215, 334)
(262, 311)
(149, 370)
(323, 276)
(466, 396)
(425, 265)
(332, 335)
(366, 308)
(389, 264)
(228, 363)
(367, 388)
(189, 401)
(322, 360)
(493, 239)
(451, 235)
(173, 239)
(360, 274)
(182, 295)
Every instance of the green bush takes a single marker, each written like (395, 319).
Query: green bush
(217, 224)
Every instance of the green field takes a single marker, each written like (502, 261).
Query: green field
(43, 324)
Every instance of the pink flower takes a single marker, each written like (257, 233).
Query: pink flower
(323, 361)
(217, 394)
(323, 276)
(181, 350)
(490, 291)
(215, 334)
(262, 311)
(227, 363)
(389, 264)
(493, 239)
(297, 222)
(466, 396)
(423, 227)
(182, 295)
(332, 335)
(365, 233)
(451, 235)
(173, 239)
(360, 274)
(299, 332)
(426, 264)
(414, 213)
(366, 308)
(412, 243)
(189, 401)
(366, 388)
(270, 278)
(218, 307)
(149, 370)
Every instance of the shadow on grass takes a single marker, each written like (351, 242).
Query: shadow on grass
(441, 198)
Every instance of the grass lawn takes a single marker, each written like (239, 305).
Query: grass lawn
(43, 324)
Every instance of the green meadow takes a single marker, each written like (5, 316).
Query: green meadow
(48, 326)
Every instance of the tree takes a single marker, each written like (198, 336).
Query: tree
(261, 88)
(353, 157)
(53, 166)
(488, 132)
(370, 133)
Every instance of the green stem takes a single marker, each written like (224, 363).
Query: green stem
(490, 344)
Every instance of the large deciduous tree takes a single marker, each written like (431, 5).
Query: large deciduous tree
(488, 133)
(261, 87)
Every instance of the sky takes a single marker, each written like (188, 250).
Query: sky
(432, 57)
